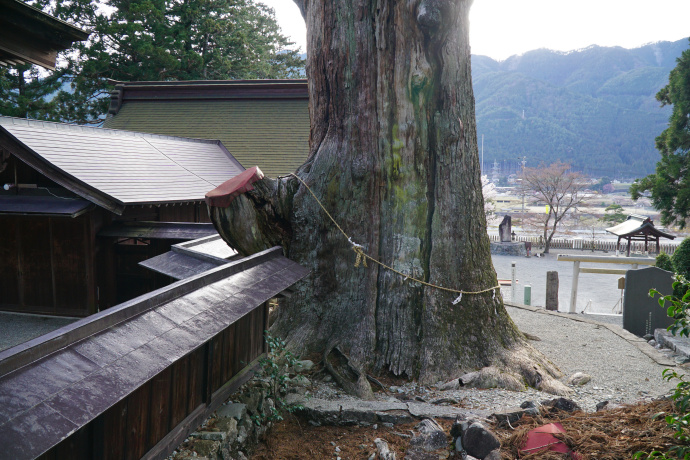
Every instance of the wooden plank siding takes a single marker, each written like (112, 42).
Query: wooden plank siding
(134, 426)
(48, 265)
(134, 381)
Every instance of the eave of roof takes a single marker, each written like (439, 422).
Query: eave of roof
(114, 168)
(159, 230)
(27, 34)
(210, 89)
(43, 206)
(191, 258)
(633, 227)
(53, 385)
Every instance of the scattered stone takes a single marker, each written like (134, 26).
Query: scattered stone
(451, 385)
(241, 435)
(681, 359)
(383, 450)
(478, 441)
(445, 401)
(314, 423)
(509, 417)
(648, 337)
(652, 342)
(232, 410)
(206, 448)
(564, 404)
(304, 366)
(337, 449)
(430, 437)
(252, 401)
(493, 455)
(300, 381)
(579, 379)
(210, 435)
(530, 405)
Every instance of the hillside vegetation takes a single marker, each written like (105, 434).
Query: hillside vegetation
(594, 108)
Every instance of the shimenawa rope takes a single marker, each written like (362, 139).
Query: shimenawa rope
(362, 256)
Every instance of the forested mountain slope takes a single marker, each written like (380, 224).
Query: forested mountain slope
(594, 108)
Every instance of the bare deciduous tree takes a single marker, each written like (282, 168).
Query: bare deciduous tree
(559, 188)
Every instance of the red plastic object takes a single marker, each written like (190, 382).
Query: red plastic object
(542, 438)
(223, 195)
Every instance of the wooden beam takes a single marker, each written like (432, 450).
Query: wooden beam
(605, 271)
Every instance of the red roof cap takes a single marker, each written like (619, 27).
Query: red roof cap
(222, 196)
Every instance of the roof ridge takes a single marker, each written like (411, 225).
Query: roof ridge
(100, 130)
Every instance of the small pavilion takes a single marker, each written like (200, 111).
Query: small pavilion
(638, 228)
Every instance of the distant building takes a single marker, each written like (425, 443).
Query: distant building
(263, 123)
(81, 206)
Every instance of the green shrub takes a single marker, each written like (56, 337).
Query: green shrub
(677, 308)
(681, 259)
(664, 262)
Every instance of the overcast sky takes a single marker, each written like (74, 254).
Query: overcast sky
(501, 28)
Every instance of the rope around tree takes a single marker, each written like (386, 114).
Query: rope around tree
(362, 257)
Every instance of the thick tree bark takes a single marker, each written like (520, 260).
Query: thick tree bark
(394, 159)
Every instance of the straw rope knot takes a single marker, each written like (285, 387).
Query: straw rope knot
(359, 250)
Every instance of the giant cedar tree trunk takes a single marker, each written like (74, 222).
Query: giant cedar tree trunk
(393, 157)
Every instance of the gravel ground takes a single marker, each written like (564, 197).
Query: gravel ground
(16, 329)
(620, 372)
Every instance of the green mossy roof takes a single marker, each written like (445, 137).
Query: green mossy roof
(270, 134)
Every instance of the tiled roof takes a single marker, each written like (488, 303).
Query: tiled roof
(114, 168)
(269, 130)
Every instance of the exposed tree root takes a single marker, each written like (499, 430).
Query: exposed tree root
(518, 369)
(347, 374)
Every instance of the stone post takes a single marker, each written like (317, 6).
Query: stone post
(552, 291)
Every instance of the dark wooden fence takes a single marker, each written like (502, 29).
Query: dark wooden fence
(158, 416)
(135, 380)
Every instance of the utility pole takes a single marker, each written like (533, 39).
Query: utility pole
(524, 161)
(482, 170)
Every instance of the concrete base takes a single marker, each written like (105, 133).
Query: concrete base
(516, 248)
(680, 345)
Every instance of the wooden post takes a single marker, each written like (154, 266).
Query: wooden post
(573, 293)
(513, 286)
(552, 291)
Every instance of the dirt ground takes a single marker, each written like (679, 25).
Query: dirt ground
(614, 434)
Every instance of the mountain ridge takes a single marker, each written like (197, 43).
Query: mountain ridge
(594, 108)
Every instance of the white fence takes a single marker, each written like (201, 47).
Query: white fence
(599, 245)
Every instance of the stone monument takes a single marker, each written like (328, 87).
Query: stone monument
(506, 246)
(505, 229)
(641, 313)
